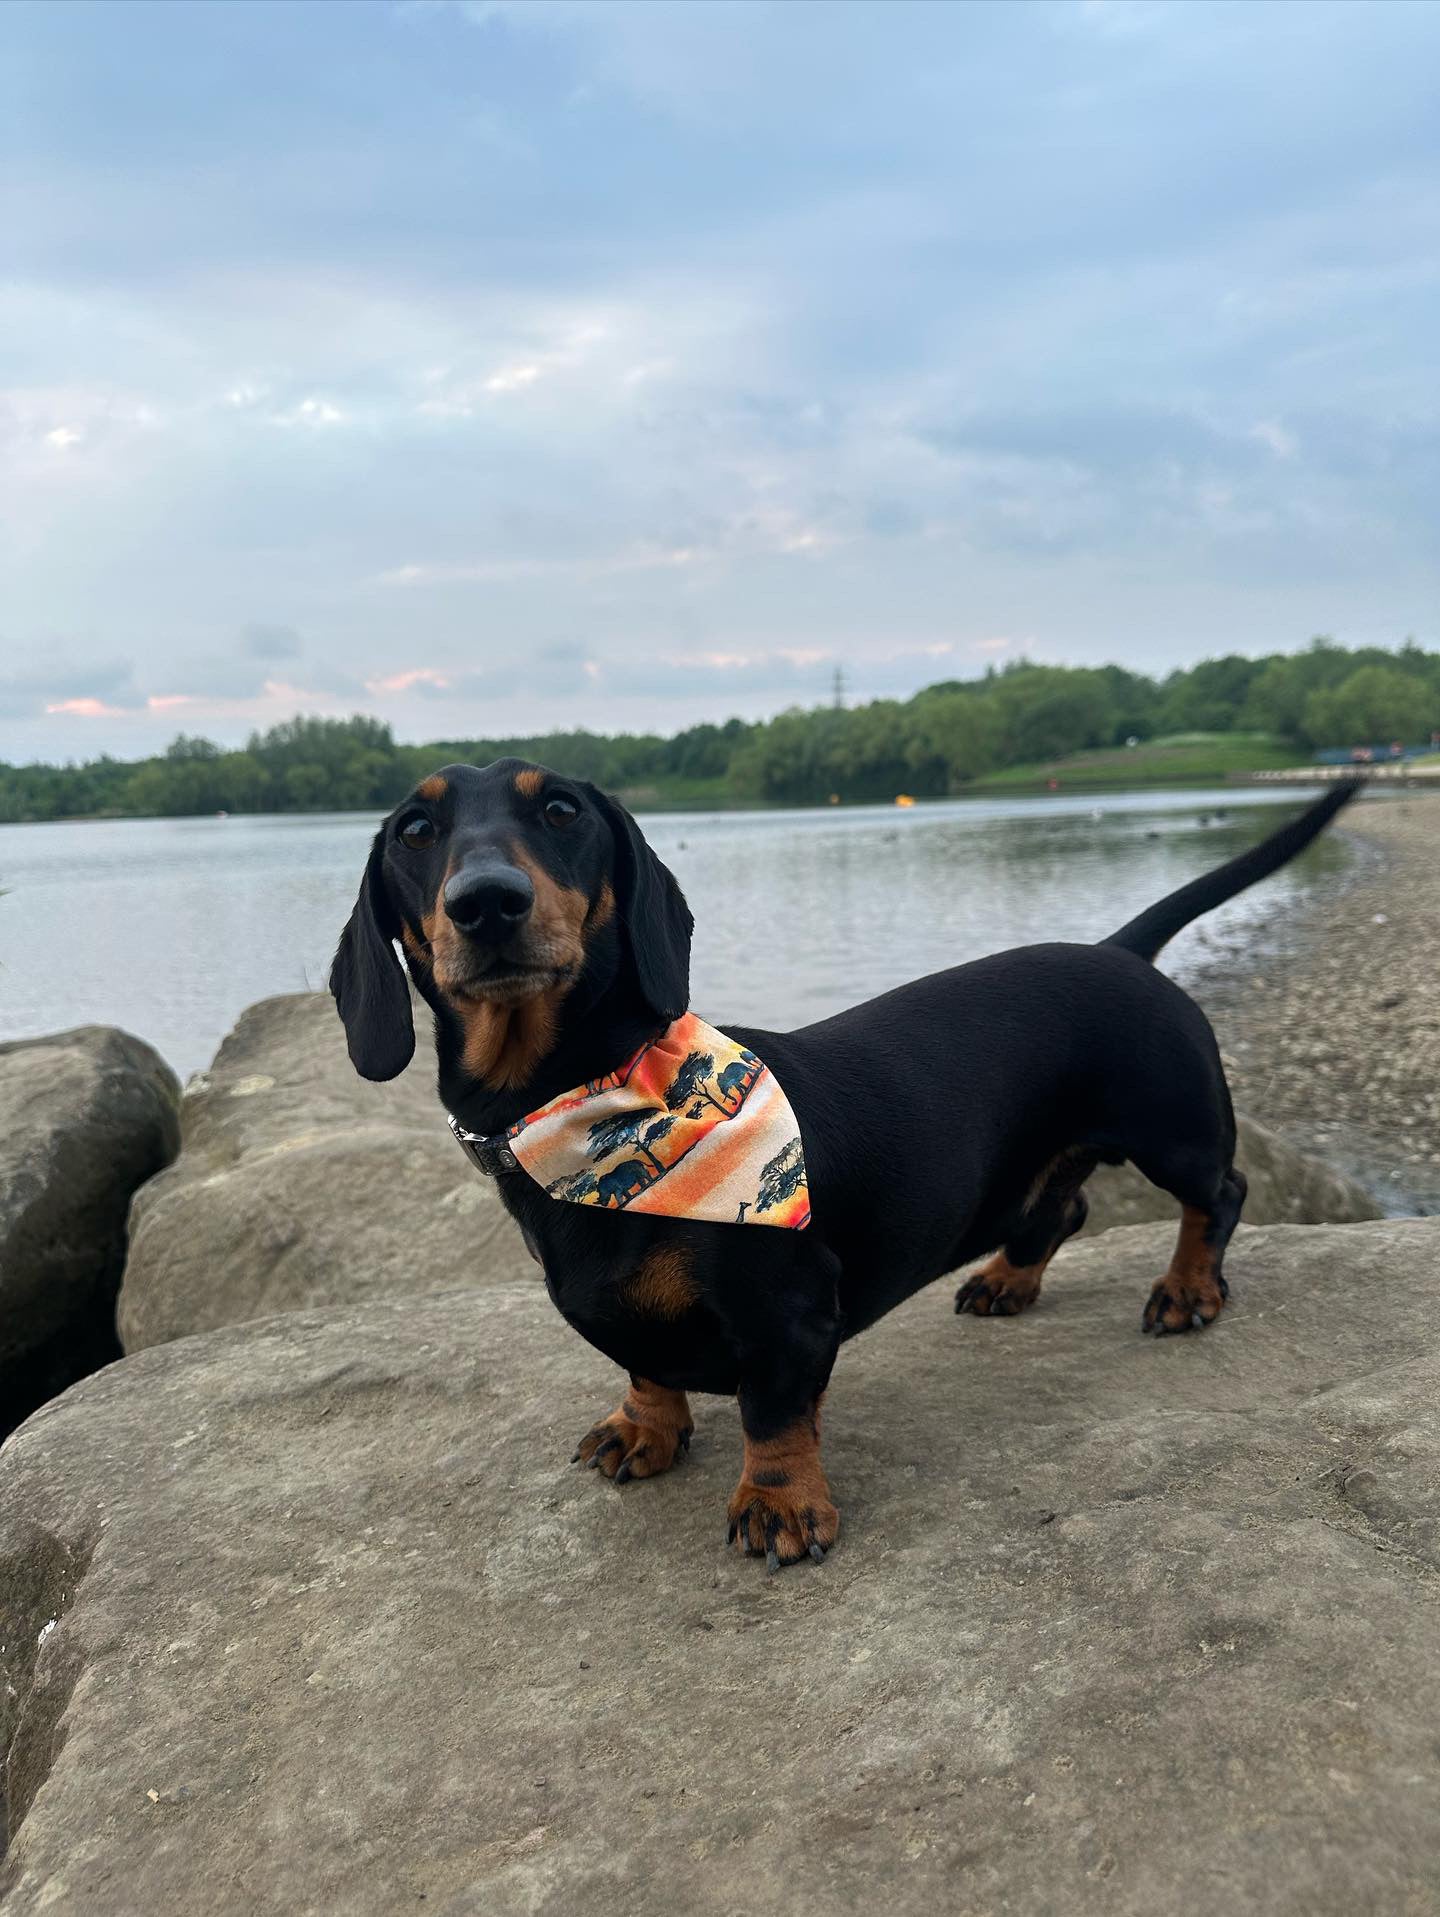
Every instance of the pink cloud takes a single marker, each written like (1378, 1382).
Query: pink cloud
(87, 708)
(403, 681)
(283, 690)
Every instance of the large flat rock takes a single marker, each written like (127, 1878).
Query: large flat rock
(299, 1185)
(85, 1117)
(312, 1615)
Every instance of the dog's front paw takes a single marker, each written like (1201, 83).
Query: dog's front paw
(623, 1448)
(783, 1523)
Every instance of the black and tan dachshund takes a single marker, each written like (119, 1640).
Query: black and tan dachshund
(954, 1117)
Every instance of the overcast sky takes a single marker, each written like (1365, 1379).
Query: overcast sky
(491, 366)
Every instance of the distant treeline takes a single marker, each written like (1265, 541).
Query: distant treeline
(938, 742)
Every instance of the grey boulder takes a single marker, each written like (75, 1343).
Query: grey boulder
(312, 1615)
(1287, 1187)
(86, 1116)
(300, 1184)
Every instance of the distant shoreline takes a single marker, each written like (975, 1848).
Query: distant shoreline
(1235, 786)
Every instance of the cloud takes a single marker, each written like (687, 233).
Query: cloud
(718, 346)
(270, 642)
(218, 676)
(221, 680)
(217, 688)
(512, 379)
(311, 411)
(86, 708)
(1276, 437)
(412, 679)
(561, 661)
(86, 690)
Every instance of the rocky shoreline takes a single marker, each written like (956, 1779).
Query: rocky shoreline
(1331, 1029)
(304, 1608)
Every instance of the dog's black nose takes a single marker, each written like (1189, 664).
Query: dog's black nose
(489, 901)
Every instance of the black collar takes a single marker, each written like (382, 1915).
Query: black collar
(490, 1155)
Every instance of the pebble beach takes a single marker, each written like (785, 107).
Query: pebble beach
(1330, 1026)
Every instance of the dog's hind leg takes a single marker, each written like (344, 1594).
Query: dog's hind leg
(1009, 1283)
(1193, 1290)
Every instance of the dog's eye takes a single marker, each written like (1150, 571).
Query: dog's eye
(561, 811)
(417, 832)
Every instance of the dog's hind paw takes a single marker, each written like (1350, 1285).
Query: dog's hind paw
(1183, 1304)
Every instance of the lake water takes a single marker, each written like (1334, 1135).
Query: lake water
(170, 927)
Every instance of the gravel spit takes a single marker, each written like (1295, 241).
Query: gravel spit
(1330, 1023)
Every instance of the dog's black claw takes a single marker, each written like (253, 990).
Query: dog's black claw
(772, 1560)
(624, 1474)
(574, 1457)
(817, 1551)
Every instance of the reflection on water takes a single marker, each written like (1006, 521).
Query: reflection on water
(170, 927)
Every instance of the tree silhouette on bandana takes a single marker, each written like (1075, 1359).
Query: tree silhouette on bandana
(639, 1129)
(781, 1177)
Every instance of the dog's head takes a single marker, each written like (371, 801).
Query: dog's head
(514, 893)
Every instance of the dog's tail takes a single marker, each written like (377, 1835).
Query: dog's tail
(1158, 924)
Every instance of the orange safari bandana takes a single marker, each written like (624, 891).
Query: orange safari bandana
(693, 1126)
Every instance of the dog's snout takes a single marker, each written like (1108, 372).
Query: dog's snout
(489, 901)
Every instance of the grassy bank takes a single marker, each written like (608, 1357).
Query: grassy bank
(682, 795)
(1187, 758)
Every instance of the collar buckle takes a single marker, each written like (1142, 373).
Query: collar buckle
(489, 1155)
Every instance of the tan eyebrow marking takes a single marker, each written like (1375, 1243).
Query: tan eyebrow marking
(529, 782)
(432, 788)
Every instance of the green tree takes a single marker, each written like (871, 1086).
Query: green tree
(1375, 704)
(1209, 697)
(950, 740)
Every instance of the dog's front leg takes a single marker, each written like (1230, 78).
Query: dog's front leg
(782, 1507)
(648, 1434)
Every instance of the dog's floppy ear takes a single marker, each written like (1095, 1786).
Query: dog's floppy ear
(369, 982)
(653, 912)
